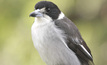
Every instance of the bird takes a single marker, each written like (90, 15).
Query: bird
(56, 38)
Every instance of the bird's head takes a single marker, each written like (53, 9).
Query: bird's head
(46, 9)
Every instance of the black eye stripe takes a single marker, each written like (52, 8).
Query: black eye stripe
(48, 9)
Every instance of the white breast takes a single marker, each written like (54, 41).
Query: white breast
(50, 43)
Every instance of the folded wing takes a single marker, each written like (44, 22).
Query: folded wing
(75, 41)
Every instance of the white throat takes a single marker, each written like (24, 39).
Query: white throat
(46, 17)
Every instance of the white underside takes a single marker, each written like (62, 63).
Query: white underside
(50, 43)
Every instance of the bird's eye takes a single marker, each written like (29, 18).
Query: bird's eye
(48, 9)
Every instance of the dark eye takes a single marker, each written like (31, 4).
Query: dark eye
(48, 9)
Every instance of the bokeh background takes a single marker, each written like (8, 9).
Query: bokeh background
(16, 47)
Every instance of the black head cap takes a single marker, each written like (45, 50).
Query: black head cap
(51, 9)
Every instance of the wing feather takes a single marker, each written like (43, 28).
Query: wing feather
(75, 41)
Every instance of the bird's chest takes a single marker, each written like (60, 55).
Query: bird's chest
(49, 41)
(44, 35)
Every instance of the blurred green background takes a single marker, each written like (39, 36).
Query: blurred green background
(16, 47)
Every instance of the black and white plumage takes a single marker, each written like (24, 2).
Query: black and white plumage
(56, 38)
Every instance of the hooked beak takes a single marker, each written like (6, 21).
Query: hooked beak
(36, 13)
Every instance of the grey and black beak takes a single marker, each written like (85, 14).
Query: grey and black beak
(36, 13)
(32, 14)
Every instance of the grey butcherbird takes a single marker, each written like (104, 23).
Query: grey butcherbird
(56, 38)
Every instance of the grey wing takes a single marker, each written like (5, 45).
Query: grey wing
(75, 41)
